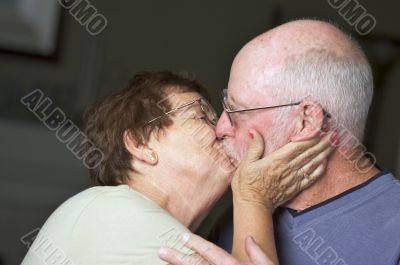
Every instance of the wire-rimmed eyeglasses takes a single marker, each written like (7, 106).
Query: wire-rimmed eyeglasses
(229, 111)
(205, 108)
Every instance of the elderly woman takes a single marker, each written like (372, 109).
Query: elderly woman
(163, 170)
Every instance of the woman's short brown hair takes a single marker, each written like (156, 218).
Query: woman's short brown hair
(130, 109)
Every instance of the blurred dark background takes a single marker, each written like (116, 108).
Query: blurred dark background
(42, 46)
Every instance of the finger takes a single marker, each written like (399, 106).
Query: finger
(207, 250)
(299, 181)
(171, 256)
(255, 149)
(305, 176)
(306, 182)
(290, 191)
(175, 257)
(317, 161)
(255, 253)
(311, 152)
(298, 174)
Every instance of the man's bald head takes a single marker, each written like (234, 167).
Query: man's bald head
(301, 35)
(306, 58)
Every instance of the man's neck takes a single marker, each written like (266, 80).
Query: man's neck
(340, 175)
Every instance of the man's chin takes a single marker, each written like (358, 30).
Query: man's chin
(233, 156)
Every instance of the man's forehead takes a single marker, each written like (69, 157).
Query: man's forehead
(251, 84)
(244, 96)
(248, 94)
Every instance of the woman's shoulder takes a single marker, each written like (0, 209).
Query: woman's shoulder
(113, 203)
(100, 223)
(127, 221)
(106, 199)
(113, 208)
(115, 198)
(106, 195)
(109, 204)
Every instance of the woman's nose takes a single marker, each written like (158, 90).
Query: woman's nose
(224, 127)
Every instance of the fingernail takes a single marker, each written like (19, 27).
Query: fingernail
(335, 142)
(185, 238)
(334, 138)
(162, 252)
(251, 135)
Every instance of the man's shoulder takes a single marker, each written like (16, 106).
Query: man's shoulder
(396, 181)
(387, 203)
(389, 193)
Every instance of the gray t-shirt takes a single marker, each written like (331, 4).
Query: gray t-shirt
(105, 225)
(358, 227)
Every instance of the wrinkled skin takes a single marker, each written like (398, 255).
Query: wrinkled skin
(278, 177)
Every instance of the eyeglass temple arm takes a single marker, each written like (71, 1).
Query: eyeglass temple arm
(168, 112)
(259, 108)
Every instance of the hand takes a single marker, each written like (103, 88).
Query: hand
(278, 177)
(207, 253)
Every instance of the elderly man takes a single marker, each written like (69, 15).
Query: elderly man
(351, 214)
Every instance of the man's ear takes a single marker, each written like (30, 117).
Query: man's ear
(140, 152)
(311, 121)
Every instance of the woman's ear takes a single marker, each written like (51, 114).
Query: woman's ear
(311, 121)
(140, 152)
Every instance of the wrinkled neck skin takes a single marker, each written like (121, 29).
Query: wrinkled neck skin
(172, 199)
(341, 174)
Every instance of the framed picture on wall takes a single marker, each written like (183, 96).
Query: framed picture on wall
(30, 27)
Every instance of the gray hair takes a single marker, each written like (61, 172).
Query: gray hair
(341, 83)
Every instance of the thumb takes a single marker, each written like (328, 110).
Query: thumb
(255, 148)
(255, 253)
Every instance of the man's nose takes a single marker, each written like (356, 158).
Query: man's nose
(224, 127)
